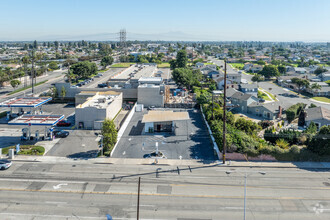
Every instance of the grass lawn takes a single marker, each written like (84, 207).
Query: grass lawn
(271, 95)
(163, 65)
(263, 95)
(322, 99)
(101, 71)
(28, 87)
(237, 65)
(122, 65)
(26, 150)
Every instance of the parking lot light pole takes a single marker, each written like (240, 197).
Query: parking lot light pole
(224, 116)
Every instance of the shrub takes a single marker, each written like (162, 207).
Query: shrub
(265, 123)
(294, 111)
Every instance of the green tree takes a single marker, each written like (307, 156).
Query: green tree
(311, 129)
(172, 64)
(109, 133)
(301, 83)
(320, 143)
(261, 62)
(269, 71)
(315, 87)
(106, 61)
(281, 69)
(63, 92)
(320, 70)
(84, 69)
(53, 65)
(53, 91)
(35, 44)
(105, 50)
(56, 45)
(181, 59)
(257, 78)
(14, 83)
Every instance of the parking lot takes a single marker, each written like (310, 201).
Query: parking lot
(190, 140)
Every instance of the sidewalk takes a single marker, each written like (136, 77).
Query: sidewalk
(170, 162)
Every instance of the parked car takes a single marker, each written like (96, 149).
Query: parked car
(63, 123)
(262, 100)
(102, 85)
(61, 134)
(151, 108)
(79, 85)
(5, 164)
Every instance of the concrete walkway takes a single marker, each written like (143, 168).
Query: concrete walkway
(170, 162)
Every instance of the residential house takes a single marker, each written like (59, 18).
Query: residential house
(242, 100)
(319, 115)
(256, 68)
(325, 76)
(249, 89)
(300, 70)
(269, 111)
(249, 67)
(199, 65)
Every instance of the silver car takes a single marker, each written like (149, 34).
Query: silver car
(5, 164)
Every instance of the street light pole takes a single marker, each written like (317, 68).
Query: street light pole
(224, 116)
(138, 200)
(245, 183)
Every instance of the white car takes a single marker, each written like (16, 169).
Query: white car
(5, 164)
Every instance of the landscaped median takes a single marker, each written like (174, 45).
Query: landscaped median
(26, 150)
(322, 99)
(28, 87)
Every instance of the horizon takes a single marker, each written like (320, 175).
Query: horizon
(212, 21)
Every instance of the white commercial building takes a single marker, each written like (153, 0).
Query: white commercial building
(91, 114)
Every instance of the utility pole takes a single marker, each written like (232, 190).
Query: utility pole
(32, 73)
(224, 116)
(138, 200)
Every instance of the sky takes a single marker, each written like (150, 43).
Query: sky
(191, 20)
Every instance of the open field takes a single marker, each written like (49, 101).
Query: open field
(163, 65)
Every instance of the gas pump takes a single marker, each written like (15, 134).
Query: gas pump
(49, 133)
(26, 134)
(37, 135)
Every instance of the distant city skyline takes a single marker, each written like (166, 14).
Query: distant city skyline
(209, 20)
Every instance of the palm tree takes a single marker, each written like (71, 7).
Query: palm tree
(315, 87)
(25, 61)
(282, 143)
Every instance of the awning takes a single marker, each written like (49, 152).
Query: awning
(32, 102)
(162, 116)
(41, 120)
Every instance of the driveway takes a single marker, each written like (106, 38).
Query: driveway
(79, 144)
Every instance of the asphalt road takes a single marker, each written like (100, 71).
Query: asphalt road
(83, 190)
(276, 90)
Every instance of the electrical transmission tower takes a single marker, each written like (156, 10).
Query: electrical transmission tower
(122, 39)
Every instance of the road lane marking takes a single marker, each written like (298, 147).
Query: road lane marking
(166, 195)
(58, 186)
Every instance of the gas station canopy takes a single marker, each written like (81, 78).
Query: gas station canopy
(31, 102)
(41, 120)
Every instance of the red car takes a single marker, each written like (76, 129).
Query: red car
(63, 123)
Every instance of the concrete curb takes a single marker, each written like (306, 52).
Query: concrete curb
(171, 162)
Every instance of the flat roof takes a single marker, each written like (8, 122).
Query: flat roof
(25, 102)
(44, 120)
(150, 79)
(162, 116)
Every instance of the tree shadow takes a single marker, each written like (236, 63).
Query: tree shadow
(84, 155)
